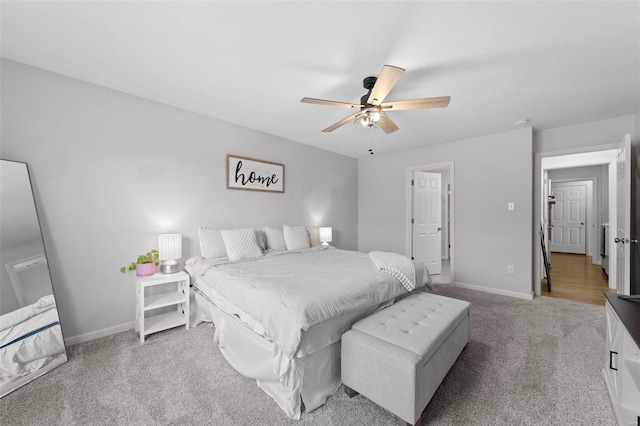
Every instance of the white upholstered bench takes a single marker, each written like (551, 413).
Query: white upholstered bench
(398, 356)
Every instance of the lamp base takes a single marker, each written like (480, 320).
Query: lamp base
(169, 268)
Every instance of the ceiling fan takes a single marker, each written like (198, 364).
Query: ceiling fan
(371, 109)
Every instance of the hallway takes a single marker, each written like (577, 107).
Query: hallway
(574, 277)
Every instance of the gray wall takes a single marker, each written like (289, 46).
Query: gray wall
(489, 172)
(112, 171)
(585, 137)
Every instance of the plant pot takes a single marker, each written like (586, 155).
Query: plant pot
(145, 268)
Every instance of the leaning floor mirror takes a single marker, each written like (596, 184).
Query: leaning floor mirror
(31, 341)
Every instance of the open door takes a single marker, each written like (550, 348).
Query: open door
(622, 240)
(427, 220)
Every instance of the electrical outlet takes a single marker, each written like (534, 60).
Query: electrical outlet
(510, 269)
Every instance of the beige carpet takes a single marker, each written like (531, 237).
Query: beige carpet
(528, 363)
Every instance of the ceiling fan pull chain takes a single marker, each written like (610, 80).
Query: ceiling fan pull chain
(370, 140)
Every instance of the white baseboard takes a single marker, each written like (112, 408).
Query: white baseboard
(495, 290)
(86, 337)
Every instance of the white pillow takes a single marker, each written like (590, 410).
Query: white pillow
(296, 237)
(241, 244)
(275, 239)
(211, 243)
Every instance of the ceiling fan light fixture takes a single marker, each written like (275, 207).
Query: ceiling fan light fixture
(362, 121)
(371, 118)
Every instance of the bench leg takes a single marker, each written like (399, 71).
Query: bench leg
(350, 392)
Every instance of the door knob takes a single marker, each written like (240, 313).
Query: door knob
(628, 241)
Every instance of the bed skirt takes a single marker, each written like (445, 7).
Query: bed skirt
(311, 378)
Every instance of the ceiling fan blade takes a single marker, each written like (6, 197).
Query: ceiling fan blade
(389, 126)
(386, 80)
(440, 102)
(329, 103)
(342, 122)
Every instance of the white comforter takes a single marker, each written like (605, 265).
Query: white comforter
(291, 292)
(30, 340)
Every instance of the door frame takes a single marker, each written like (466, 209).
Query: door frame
(434, 168)
(592, 156)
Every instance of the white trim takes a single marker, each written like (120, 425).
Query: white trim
(495, 291)
(86, 337)
(408, 209)
(447, 227)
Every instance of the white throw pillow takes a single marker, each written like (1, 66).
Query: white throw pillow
(241, 244)
(296, 237)
(275, 239)
(211, 243)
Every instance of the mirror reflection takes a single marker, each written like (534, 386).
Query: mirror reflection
(31, 341)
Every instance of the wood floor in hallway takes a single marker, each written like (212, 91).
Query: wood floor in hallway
(574, 277)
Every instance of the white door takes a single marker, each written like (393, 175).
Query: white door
(623, 215)
(427, 220)
(568, 216)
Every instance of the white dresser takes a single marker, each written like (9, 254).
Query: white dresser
(622, 363)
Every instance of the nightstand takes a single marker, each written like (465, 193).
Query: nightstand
(178, 295)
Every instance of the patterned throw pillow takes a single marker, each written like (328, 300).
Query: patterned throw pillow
(241, 244)
(296, 237)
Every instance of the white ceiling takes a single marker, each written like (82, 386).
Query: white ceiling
(250, 63)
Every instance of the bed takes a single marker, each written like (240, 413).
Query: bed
(279, 317)
(31, 343)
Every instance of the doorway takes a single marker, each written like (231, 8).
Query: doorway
(576, 250)
(618, 176)
(445, 272)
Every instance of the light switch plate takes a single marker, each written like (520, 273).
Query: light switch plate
(511, 206)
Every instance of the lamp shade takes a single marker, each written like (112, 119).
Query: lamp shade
(325, 234)
(170, 246)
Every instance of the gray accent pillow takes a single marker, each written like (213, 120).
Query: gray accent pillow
(261, 239)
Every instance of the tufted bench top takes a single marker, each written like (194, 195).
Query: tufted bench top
(419, 323)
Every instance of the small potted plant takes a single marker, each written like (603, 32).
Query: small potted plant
(145, 265)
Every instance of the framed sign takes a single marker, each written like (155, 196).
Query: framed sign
(250, 174)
